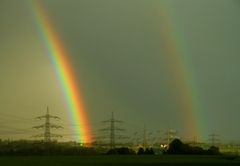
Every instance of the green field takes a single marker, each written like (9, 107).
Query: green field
(116, 160)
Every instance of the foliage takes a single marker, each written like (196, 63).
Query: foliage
(177, 147)
(23, 147)
(147, 151)
(121, 151)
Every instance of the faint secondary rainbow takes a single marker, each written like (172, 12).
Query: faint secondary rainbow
(179, 65)
(64, 71)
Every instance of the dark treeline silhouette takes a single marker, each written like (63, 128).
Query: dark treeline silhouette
(147, 151)
(23, 147)
(128, 151)
(121, 151)
(177, 147)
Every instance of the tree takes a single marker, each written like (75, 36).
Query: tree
(140, 151)
(149, 151)
(213, 150)
(177, 147)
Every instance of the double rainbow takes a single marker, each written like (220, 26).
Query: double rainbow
(177, 59)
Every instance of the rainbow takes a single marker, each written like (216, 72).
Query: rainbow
(179, 63)
(177, 58)
(65, 74)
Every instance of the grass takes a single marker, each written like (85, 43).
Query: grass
(116, 160)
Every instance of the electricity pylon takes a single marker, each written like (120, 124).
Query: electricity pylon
(170, 135)
(214, 139)
(47, 135)
(112, 130)
(145, 144)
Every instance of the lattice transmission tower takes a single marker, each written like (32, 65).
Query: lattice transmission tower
(113, 128)
(214, 139)
(145, 143)
(170, 135)
(47, 126)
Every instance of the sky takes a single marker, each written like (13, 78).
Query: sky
(118, 52)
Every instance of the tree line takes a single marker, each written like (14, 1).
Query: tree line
(24, 147)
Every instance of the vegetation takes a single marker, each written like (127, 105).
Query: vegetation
(24, 147)
(121, 151)
(24, 153)
(147, 151)
(128, 151)
(116, 160)
(177, 147)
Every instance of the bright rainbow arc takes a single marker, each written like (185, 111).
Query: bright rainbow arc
(64, 71)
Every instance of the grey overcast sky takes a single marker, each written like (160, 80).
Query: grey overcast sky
(117, 54)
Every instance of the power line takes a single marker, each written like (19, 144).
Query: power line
(47, 127)
(170, 134)
(214, 139)
(4, 115)
(112, 130)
